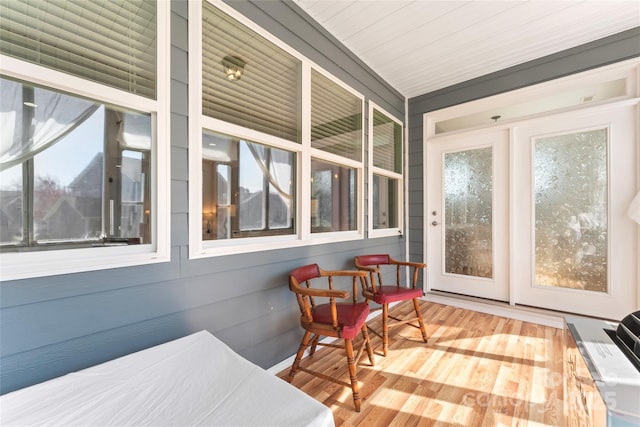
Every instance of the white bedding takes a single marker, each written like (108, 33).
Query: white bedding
(193, 381)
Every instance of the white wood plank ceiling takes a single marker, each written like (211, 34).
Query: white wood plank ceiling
(423, 45)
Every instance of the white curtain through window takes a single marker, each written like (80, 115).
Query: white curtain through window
(277, 177)
(31, 124)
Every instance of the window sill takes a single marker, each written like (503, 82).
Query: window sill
(241, 246)
(26, 265)
(385, 232)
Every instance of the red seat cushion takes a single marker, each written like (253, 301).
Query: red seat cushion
(351, 317)
(388, 294)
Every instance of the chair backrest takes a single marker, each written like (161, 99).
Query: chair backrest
(373, 264)
(307, 272)
(368, 260)
(296, 278)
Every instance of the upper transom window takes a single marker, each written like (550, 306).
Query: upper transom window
(247, 80)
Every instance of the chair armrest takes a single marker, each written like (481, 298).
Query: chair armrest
(347, 273)
(354, 274)
(416, 266)
(367, 268)
(328, 293)
(407, 263)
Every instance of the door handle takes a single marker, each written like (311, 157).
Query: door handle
(434, 223)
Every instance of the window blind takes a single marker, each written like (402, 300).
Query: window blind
(387, 143)
(336, 118)
(110, 42)
(267, 96)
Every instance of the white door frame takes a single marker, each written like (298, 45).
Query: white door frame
(628, 70)
(622, 247)
(497, 286)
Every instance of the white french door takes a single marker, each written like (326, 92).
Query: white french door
(467, 215)
(576, 247)
(535, 214)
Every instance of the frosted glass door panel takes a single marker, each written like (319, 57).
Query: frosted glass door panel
(468, 197)
(570, 178)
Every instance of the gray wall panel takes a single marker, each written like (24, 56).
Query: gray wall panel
(50, 326)
(180, 8)
(179, 98)
(179, 130)
(179, 199)
(46, 362)
(180, 31)
(179, 166)
(179, 229)
(179, 65)
(41, 289)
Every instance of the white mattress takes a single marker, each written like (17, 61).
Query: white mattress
(193, 381)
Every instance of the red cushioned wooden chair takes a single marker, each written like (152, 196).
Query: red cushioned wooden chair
(385, 294)
(330, 319)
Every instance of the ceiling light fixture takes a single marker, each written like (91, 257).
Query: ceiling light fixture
(233, 67)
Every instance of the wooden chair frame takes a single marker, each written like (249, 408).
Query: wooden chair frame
(372, 294)
(314, 330)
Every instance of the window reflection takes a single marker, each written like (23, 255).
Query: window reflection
(74, 172)
(385, 202)
(333, 197)
(248, 189)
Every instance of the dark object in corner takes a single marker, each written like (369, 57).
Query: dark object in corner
(627, 337)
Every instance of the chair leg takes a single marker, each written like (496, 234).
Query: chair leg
(367, 343)
(422, 328)
(352, 373)
(296, 363)
(314, 344)
(385, 328)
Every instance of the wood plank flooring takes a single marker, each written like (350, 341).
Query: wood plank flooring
(476, 370)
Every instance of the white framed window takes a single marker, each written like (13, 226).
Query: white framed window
(386, 185)
(270, 121)
(85, 119)
(337, 151)
(248, 188)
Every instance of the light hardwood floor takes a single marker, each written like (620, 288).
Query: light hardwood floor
(476, 370)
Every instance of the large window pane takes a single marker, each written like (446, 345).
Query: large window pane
(385, 202)
(82, 170)
(570, 175)
(248, 188)
(68, 197)
(336, 118)
(134, 221)
(334, 197)
(266, 97)
(468, 188)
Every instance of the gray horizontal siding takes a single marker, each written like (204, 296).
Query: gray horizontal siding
(50, 326)
(612, 49)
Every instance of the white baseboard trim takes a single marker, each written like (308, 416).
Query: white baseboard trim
(525, 314)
